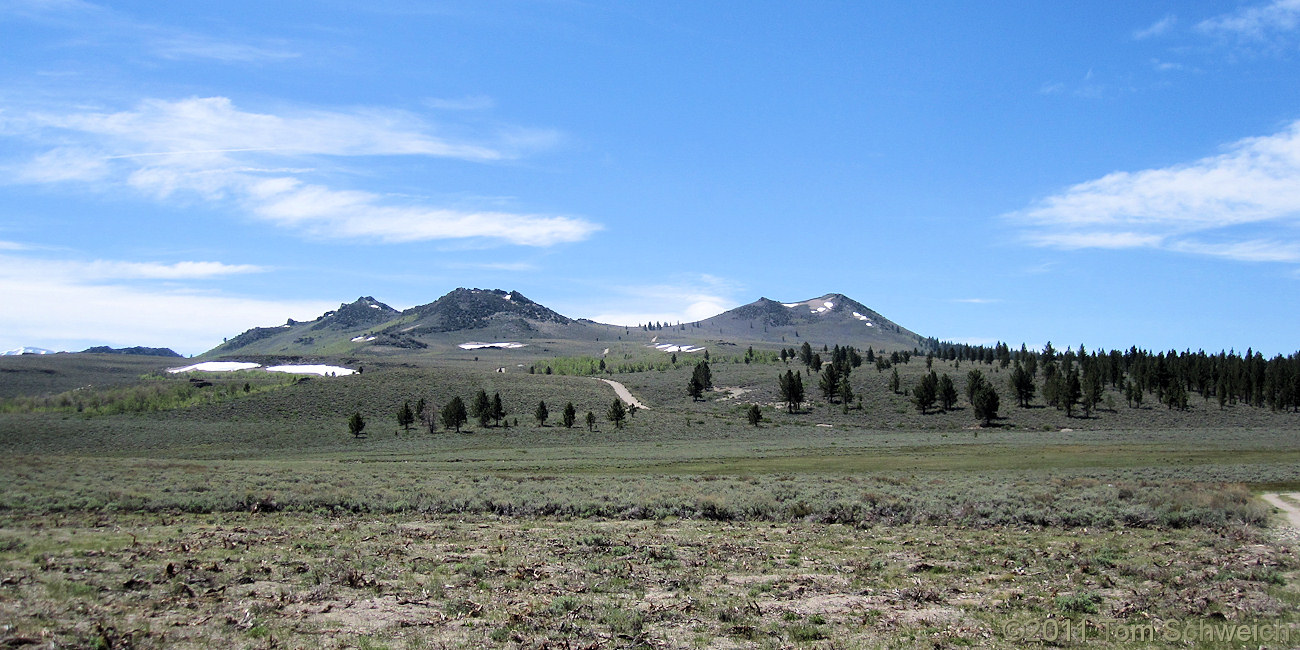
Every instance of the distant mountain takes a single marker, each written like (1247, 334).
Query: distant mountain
(25, 350)
(827, 320)
(368, 325)
(152, 352)
(476, 315)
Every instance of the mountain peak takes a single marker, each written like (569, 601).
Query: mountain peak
(362, 312)
(476, 308)
(829, 318)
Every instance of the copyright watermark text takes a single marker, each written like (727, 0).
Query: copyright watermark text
(1065, 630)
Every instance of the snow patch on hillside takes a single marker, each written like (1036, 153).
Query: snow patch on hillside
(362, 339)
(217, 366)
(310, 369)
(476, 345)
(669, 347)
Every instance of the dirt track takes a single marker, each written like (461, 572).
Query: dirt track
(624, 394)
(1288, 504)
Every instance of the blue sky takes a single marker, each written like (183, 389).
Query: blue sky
(1110, 174)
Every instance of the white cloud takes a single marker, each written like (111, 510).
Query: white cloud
(96, 25)
(686, 300)
(1156, 29)
(62, 304)
(1256, 22)
(977, 301)
(1258, 250)
(1202, 207)
(209, 148)
(194, 46)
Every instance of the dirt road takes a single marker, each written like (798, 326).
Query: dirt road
(1289, 503)
(624, 394)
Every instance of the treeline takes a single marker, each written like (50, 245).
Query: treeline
(1079, 378)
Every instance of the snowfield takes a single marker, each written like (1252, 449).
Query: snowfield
(669, 347)
(324, 371)
(217, 366)
(363, 339)
(476, 345)
(231, 366)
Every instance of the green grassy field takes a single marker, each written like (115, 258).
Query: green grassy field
(216, 515)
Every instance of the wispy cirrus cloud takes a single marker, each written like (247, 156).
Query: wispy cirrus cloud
(209, 148)
(96, 25)
(1255, 22)
(1243, 204)
(1158, 28)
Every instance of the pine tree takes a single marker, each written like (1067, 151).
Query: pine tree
(498, 408)
(454, 415)
(846, 391)
(482, 408)
(1071, 393)
(694, 389)
(805, 353)
(616, 413)
(974, 379)
(947, 393)
(591, 421)
(830, 382)
(985, 403)
(405, 417)
(1092, 390)
(790, 391)
(925, 392)
(569, 416)
(540, 414)
(1022, 384)
(894, 382)
(754, 414)
(356, 425)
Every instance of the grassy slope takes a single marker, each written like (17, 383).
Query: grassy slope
(887, 528)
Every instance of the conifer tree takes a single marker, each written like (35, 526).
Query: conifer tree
(947, 393)
(498, 408)
(895, 383)
(482, 408)
(405, 416)
(616, 413)
(356, 425)
(974, 379)
(925, 392)
(540, 414)
(754, 414)
(569, 416)
(985, 403)
(1071, 393)
(454, 415)
(846, 391)
(830, 382)
(1091, 390)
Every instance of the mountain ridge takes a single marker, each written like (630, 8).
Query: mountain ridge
(367, 325)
